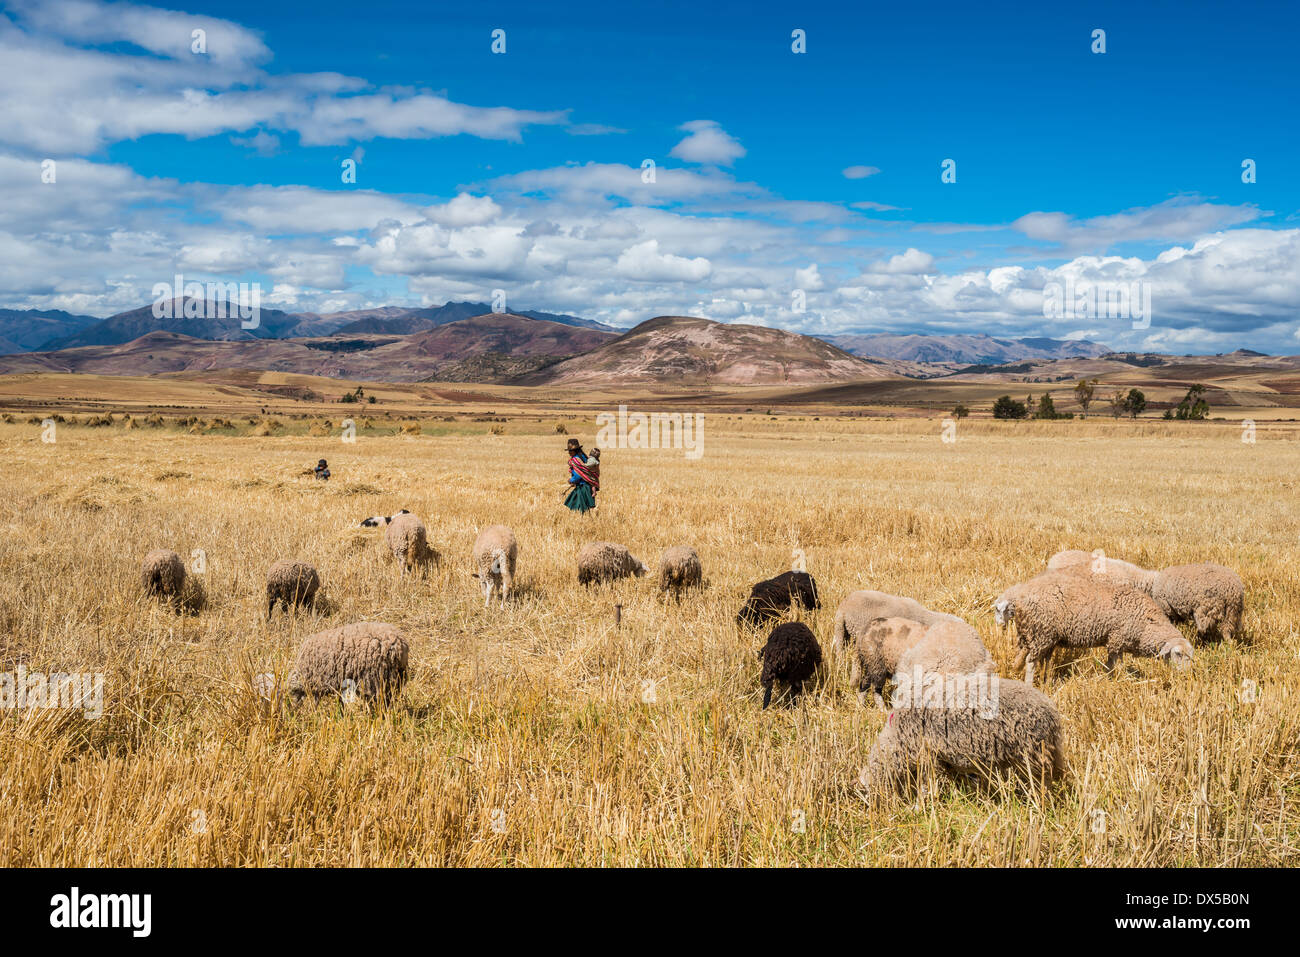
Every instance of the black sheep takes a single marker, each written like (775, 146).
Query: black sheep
(790, 655)
(771, 598)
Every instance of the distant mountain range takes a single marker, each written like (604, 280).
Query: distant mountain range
(968, 350)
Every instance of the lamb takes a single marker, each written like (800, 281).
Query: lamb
(1210, 596)
(290, 583)
(374, 521)
(946, 648)
(790, 655)
(408, 540)
(861, 608)
(494, 557)
(772, 597)
(367, 659)
(606, 561)
(680, 568)
(878, 649)
(1006, 726)
(163, 574)
(1071, 610)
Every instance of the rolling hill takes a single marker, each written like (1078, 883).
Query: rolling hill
(977, 349)
(685, 349)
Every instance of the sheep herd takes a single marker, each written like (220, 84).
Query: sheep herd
(950, 708)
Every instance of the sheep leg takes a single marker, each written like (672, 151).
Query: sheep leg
(880, 701)
(270, 607)
(862, 698)
(1019, 663)
(1111, 660)
(1029, 671)
(767, 695)
(794, 693)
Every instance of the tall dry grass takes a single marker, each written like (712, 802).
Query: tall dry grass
(539, 733)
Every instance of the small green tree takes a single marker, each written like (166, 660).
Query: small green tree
(348, 397)
(1005, 407)
(1134, 403)
(1046, 408)
(1116, 403)
(1084, 390)
(960, 411)
(1193, 405)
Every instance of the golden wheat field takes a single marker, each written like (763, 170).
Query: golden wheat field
(544, 734)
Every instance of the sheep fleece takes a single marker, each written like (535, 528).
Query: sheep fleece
(606, 561)
(1020, 731)
(163, 573)
(680, 568)
(371, 654)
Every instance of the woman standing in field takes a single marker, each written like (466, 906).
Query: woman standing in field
(583, 483)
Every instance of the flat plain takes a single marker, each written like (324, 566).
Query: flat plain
(543, 734)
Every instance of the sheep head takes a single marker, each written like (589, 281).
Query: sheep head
(1003, 612)
(1176, 651)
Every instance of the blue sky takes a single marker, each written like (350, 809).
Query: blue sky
(478, 171)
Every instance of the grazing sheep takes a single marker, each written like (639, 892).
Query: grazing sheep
(771, 598)
(1004, 726)
(367, 659)
(408, 540)
(679, 568)
(374, 521)
(494, 557)
(163, 574)
(1075, 559)
(1210, 596)
(946, 648)
(1075, 611)
(862, 608)
(606, 561)
(790, 655)
(877, 651)
(290, 584)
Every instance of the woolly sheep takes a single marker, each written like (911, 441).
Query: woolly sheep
(368, 659)
(494, 557)
(163, 574)
(877, 650)
(1210, 596)
(969, 726)
(680, 568)
(861, 608)
(290, 583)
(606, 561)
(946, 648)
(790, 655)
(772, 597)
(408, 540)
(1060, 608)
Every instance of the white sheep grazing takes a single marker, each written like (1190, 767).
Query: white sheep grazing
(1212, 597)
(606, 561)
(946, 648)
(970, 724)
(408, 540)
(1077, 611)
(680, 568)
(877, 651)
(857, 612)
(494, 557)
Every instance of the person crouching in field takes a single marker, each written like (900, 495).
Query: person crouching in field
(322, 470)
(583, 485)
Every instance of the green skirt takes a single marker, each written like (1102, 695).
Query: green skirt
(580, 498)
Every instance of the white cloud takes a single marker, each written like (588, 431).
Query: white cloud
(644, 261)
(1174, 219)
(860, 172)
(708, 143)
(910, 262)
(464, 210)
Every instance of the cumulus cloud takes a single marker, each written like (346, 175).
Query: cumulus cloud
(909, 262)
(1174, 219)
(644, 262)
(708, 143)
